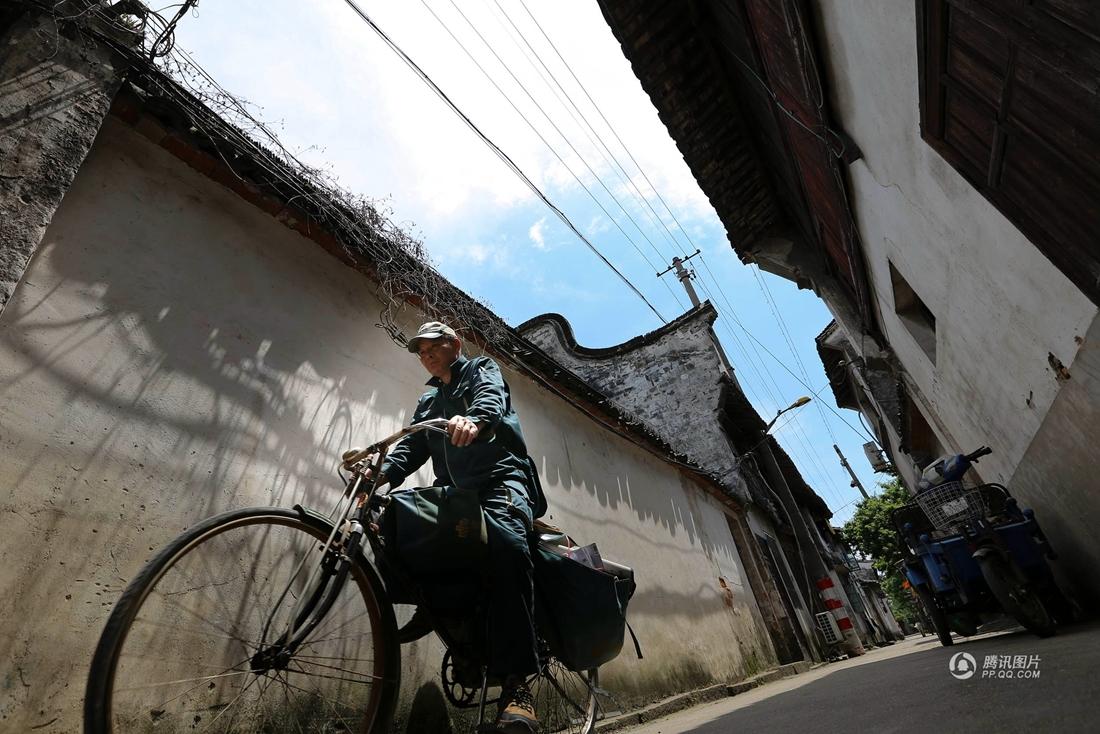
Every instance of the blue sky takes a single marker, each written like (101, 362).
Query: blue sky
(338, 97)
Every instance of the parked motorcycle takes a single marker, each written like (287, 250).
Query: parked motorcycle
(971, 552)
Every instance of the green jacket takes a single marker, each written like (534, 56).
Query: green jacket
(499, 454)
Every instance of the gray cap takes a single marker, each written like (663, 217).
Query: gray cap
(430, 330)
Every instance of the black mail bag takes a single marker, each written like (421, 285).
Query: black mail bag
(580, 611)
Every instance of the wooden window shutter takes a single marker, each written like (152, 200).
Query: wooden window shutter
(1010, 96)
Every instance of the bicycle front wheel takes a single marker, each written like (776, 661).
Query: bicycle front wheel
(179, 651)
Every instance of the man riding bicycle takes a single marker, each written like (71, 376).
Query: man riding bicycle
(483, 451)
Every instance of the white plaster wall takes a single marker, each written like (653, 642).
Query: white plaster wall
(1000, 305)
(174, 352)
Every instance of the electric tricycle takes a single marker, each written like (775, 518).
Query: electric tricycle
(971, 553)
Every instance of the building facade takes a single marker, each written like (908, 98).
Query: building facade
(675, 379)
(930, 170)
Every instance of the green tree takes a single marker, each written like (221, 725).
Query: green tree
(871, 532)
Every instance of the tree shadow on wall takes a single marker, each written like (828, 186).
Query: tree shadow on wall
(178, 354)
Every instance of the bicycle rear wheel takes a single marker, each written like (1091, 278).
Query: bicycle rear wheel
(566, 700)
(177, 653)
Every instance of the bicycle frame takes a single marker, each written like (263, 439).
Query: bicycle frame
(327, 579)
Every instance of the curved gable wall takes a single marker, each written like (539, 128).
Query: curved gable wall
(670, 378)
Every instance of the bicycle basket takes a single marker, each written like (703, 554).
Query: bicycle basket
(951, 504)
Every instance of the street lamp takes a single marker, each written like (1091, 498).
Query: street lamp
(796, 404)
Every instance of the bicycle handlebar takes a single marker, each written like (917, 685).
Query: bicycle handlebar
(354, 456)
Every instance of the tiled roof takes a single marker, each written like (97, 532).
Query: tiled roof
(660, 38)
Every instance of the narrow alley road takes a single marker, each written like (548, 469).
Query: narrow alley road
(1030, 685)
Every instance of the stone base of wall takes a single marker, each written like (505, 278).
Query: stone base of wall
(703, 695)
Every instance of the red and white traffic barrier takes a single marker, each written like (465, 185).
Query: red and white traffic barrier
(830, 595)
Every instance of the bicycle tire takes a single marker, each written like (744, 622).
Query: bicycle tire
(284, 537)
(566, 700)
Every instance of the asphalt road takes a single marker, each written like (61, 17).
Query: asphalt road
(909, 687)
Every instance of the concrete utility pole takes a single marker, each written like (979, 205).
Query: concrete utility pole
(809, 550)
(855, 480)
(815, 566)
(684, 275)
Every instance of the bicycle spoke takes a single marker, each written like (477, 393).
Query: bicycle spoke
(162, 659)
(194, 631)
(318, 641)
(199, 617)
(337, 669)
(565, 699)
(286, 685)
(565, 696)
(217, 577)
(342, 658)
(201, 679)
(230, 704)
(331, 615)
(262, 698)
(332, 704)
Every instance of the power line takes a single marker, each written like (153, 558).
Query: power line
(538, 106)
(499, 153)
(812, 459)
(424, 77)
(763, 283)
(611, 127)
(811, 463)
(785, 331)
(791, 372)
(813, 455)
(569, 106)
(771, 302)
(538, 134)
(737, 342)
(591, 133)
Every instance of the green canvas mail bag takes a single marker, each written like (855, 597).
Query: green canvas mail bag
(431, 531)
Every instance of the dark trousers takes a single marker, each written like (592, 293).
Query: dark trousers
(511, 586)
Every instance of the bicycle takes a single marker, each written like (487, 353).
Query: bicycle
(269, 619)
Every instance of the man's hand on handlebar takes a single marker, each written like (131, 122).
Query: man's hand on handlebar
(368, 475)
(462, 430)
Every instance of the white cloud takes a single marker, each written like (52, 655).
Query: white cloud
(487, 256)
(536, 234)
(477, 253)
(597, 225)
(337, 85)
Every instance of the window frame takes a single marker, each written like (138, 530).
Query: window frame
(1030, 34)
